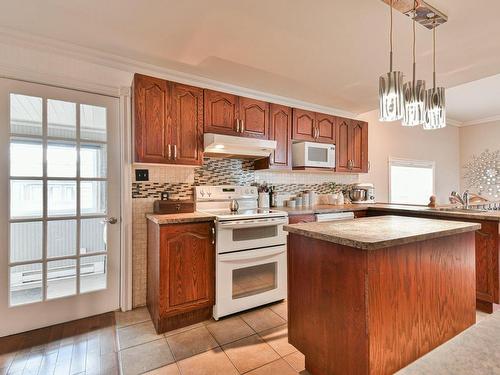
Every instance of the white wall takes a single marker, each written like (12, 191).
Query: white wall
(393, 140)
(476, 139)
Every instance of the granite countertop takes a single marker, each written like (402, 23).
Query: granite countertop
(372, 233)
(486, 215)
(326, 208)
(193, 217)
(474, 351)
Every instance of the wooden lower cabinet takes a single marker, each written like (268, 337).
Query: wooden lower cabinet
(297, 219)
(487, 243)
(181, 274)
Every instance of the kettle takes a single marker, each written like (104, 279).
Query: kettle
(234, 205)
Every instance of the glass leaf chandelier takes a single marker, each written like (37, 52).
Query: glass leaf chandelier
(391, 90)
(414, 91)
(435, 103)
(411, 102)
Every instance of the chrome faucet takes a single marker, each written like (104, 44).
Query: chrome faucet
(464, 200)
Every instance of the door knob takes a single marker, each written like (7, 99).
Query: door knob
(110, 220)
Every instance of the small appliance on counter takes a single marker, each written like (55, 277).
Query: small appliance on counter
(362, 193)
(172, 206)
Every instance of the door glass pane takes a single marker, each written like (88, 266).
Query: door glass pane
(92, 273)
(26, 198)
(93, 161)
(26, 158)
(93, 197)
(250, 281)
(248, 234)
(61, 118)
(317, 154)
(61, 198)
(25, 284)
(25, 241)
(93, 236)
(61, 278)
(61, 238)
(92, 123)
(61, 159)
(25, 114)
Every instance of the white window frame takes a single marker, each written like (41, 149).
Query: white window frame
(410, 163)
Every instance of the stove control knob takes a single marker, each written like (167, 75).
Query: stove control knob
(247, 191)
(202, 193)
(209, 194)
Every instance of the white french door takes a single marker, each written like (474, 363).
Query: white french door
(59, 205)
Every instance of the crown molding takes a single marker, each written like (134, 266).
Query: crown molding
(481, 121)
(21, 39)
(452, 122)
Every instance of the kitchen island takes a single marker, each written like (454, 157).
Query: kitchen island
(371, 295)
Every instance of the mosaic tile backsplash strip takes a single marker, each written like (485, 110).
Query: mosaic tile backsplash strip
(230, 172)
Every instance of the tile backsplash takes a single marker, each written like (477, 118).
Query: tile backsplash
(179, 182)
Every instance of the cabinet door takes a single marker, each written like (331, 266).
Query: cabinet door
(187, 124)
(342, 145)
(358, 146)
(151, 128)
(281, 132)
(254, 118)
(304, 125)
(326, 128)
(187, 267)
(221, 113)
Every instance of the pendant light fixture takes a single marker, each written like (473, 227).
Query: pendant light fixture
(435, 104)
(391, 90)
(414, 91)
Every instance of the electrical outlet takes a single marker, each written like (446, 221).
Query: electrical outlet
(142, 175)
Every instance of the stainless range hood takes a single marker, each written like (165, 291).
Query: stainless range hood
(241, 147)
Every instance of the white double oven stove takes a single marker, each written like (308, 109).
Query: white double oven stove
(250, 249)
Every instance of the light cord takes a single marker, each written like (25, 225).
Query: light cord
(390, 64)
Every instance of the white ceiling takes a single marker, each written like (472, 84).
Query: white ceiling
(328, 52)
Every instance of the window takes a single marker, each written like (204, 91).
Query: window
(410, 181)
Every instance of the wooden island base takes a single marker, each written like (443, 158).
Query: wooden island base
(354, 311)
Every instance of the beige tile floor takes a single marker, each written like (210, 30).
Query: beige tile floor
(254, 343)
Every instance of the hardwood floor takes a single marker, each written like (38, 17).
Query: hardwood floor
(85, 346)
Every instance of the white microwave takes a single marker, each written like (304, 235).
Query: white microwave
(315, 155)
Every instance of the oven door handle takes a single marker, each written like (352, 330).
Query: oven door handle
(243, 255)
(252, 224)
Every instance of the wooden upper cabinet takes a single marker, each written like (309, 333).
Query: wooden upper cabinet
(187, 265)
(221, 113)
(280, 130)
(187, 124)
(358, 150)
(304, 125)
(168, 122)
(326, 128)
(351, 146)
(151, 121)
(254, 118)
(342, 162)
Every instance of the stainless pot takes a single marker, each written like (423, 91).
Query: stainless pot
(357, 195)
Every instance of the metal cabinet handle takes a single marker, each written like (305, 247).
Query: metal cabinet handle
(242, 127)
(213, 235)
(175, 152)
(169, 151)
(237, 122)
(110, 220)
